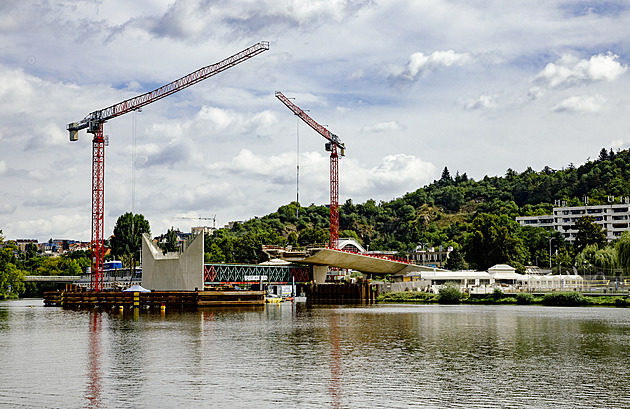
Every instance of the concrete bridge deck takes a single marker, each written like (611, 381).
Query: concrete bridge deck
(348, 260)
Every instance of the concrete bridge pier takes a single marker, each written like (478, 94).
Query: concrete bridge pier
(319, 274)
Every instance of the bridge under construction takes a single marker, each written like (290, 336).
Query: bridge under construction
(321, 259)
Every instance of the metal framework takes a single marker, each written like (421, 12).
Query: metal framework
(94, 124)
(237, 273)
(98, 207)
(336, 149)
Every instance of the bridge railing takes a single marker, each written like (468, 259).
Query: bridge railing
(390, 258)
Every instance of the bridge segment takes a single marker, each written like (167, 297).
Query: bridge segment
(322, 258)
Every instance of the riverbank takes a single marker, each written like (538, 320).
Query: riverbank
(554, 298)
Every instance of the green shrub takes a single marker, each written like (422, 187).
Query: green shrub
(497, 294)
(406, 296)
(507, 300)
(622, 302)
(524, 298)
(450, 294)
(564, 299)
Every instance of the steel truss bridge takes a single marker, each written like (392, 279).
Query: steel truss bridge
(250, 274)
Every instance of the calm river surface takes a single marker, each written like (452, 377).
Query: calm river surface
(376, 356)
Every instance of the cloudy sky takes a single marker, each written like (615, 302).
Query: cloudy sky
(478, 86)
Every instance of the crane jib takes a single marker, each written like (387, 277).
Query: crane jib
(139, 101)
(334, 139)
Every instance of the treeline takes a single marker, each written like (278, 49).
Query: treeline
(14, 265)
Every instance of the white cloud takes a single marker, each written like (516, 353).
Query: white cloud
(620, 143)
(178, 151)
(277, 169)
(420, 64)
(395, 174)
(570, 71)
(198, 20)
(387, 126)
(483, 102)
(71, 226)
(580, 104)
(536, 92)
(7, 208)
(215, 121)
(3, 167)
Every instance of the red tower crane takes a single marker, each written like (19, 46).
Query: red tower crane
(94, 125)
(336, 149)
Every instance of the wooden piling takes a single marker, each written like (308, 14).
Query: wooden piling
(347, 292)
(153, 299)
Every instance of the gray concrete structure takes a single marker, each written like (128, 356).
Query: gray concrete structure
(353, 261)
(172, 271)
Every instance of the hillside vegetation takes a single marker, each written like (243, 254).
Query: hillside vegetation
(474, 217)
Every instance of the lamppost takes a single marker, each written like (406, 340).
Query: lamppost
(550, 239)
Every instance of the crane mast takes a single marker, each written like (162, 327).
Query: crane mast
(336, 149)
(94, 121)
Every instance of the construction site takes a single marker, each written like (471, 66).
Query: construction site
(289, 274)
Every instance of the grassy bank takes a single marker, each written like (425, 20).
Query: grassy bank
(551, 299)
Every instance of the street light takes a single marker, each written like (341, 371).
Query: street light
(550, 239)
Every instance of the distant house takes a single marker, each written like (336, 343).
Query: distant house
(22, 244)
(430, 256)
(504, 274)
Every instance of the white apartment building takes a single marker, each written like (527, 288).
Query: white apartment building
(614, 218)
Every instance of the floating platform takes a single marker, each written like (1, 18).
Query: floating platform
(153, 299)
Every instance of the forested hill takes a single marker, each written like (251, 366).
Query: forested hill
(437, 214)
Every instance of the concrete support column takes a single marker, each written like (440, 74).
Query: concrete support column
(319, 274)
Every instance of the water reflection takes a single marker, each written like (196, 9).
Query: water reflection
(94, 372)
(307, 356)
(336, 369)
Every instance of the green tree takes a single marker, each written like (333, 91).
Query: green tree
(11, 284)
(214, 255)
(623, 251)
(451, 197)
(127, 239)
(456, 261)
(58, 266)
(493, 240)
(171, 243)
(446, 178)
(292, 239)
(312, 236)
(588, 232)
(81, 257)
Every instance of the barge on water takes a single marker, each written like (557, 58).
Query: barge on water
(77, 298)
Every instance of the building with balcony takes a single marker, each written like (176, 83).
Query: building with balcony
(614, 219)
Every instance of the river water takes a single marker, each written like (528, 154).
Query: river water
(312, 356)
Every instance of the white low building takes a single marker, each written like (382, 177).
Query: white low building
(501, 276)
